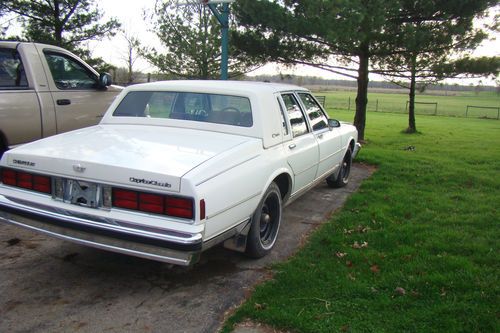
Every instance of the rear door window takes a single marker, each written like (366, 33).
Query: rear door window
(12, 74)
(297, 120)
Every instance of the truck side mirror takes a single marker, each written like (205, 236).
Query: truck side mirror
(104, 80)
(333, 123)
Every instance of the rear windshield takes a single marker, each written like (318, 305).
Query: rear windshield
(211, 108)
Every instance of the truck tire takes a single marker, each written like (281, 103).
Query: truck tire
(266, 222)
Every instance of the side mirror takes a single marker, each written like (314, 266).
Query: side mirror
(104, 80)
(333, 123)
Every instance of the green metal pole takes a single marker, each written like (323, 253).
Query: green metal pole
(223, 18)
(225, 42)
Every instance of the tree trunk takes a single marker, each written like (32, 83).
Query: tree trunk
(412, 127)
(362, 95)
(58, 29)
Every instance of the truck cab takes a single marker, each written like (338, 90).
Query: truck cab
(45, 90)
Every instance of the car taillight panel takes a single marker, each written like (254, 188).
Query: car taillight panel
(153, 203)
(26, 180)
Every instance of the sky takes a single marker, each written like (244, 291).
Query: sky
(130, 14)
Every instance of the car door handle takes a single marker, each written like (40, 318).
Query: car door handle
(292, 146)
(63, 102)
(320, 136)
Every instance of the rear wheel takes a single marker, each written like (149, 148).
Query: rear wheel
(266, 222)
(343, 176)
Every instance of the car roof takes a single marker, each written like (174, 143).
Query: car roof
(212, 86)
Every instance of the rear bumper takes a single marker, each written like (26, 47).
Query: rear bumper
(117, 236)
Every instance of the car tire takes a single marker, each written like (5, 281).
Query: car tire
(266, 222)
(342, 178)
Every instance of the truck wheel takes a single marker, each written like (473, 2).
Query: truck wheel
(343, 176)
(2, 148)
(265, 224)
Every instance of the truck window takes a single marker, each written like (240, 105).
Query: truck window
(68, 73)
(12, 75)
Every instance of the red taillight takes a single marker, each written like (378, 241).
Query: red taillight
(125, 199)
(27, 180)
(42, 184)
(153, 203)
(180, 207)
(9, 177)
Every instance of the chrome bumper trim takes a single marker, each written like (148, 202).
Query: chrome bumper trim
(161, 247)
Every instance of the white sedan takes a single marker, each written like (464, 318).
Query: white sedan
(176, 167)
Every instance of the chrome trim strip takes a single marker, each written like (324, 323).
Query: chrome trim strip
(225, 170)
(236, 204)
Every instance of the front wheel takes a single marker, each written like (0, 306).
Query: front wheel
(266, 222)
(343, 176)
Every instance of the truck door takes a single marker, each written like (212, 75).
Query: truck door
(20, 119)
(75, 90)
(303, 149)
(329, 140)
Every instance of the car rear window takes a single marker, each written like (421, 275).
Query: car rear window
(201, 107)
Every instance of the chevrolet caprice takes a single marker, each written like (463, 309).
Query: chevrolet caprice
(177, 167)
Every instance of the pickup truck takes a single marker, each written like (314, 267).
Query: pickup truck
(45, 90)
(174, 168)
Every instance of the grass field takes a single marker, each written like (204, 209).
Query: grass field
(414, 250)
(453, 105)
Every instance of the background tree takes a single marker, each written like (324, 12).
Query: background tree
(64, 23)
(315, 32)
(191, 38)
(131, 55)
(426, 35)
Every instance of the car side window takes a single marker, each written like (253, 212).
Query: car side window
(297, 120)
(316, 116)
(68, 73)
(12, 75)
(283, 121)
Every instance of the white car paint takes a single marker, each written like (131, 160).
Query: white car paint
(226, 168)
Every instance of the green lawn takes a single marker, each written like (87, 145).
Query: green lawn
(452, 105)
(430, 219)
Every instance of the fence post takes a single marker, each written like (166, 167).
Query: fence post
(376, 106)
(349, 104)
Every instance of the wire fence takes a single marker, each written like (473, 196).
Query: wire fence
(421, 108)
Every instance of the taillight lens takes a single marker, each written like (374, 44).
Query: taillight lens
(26, 180)
(153, 203)
(9, 177)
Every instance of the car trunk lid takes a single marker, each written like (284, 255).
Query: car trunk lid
(135, 156)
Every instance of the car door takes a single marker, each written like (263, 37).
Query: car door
(20, 119)
(303, 151)
(74, 88)
(329, 139)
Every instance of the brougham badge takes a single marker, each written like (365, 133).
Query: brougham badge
(78, 167)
